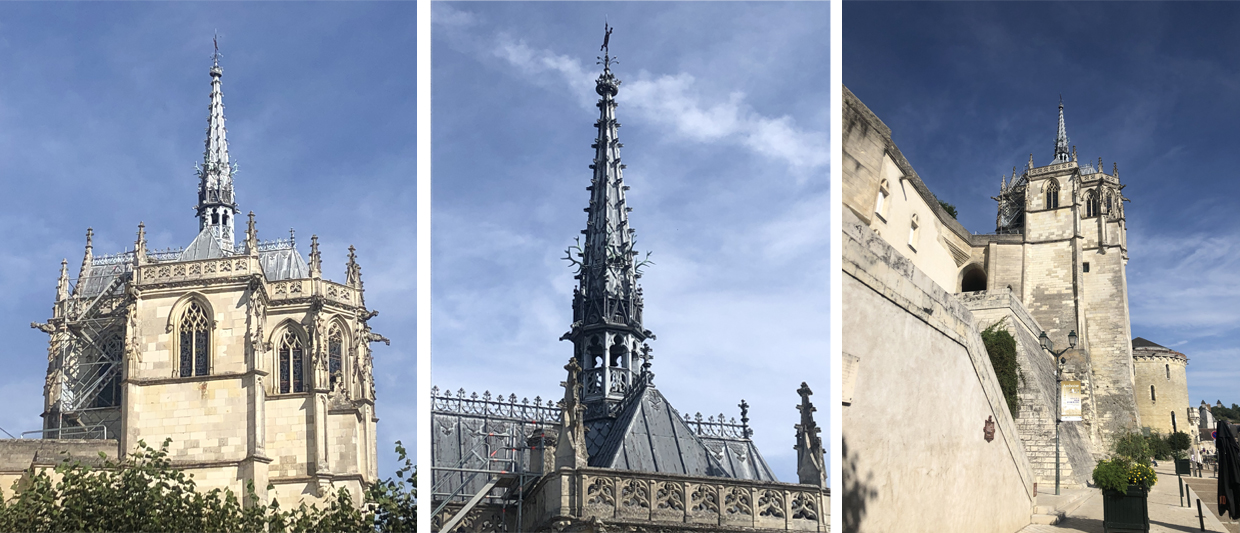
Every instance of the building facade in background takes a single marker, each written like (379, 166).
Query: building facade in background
(238, 350)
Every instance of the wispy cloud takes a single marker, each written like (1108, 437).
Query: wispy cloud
(678, 101)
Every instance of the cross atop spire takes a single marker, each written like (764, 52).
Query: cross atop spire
(217, 208)
(1062, 152)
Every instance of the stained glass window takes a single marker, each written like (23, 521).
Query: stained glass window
(335, 345)
(195, 340)
(291, 368)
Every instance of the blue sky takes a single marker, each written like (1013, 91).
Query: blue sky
(103, 109)
(724, 108)
(971, 89)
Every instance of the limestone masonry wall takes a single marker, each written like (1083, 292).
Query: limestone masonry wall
(924, 391)
(1038, 393)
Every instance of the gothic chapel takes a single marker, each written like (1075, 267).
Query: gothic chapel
(255, 366)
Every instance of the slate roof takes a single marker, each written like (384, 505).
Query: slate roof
(650, 436)
(1145, 343)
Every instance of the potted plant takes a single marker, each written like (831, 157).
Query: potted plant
(1125, 490)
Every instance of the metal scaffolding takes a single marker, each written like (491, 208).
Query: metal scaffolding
(86, 354)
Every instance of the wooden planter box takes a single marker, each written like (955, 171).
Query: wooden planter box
(1183, 467)
(1126, 513)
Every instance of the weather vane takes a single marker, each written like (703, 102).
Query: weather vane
(606, 59)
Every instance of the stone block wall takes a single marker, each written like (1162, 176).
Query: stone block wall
(1038, 393)
(924, 392)
(1165, 371)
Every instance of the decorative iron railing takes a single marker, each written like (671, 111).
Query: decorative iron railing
(495, 406)
(276, 244)
(540, 410)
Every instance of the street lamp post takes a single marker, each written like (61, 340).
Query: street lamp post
(1047, 345)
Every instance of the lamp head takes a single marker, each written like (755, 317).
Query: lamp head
(1045, 341)
(1072, 339)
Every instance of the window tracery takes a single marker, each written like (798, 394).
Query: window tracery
(195, 340)
(1052, 195)
(1092, 203)
(291, 363)
(335, 364)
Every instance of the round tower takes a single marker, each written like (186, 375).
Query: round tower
(1162, 387)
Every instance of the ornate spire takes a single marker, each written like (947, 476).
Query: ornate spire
(139, 246)
(251, 236)
(316, 260)
(1062, 153)
(88, 257)
(217, 208)
(353, 271)
(607, 303)
(62, 284)
(810, 462)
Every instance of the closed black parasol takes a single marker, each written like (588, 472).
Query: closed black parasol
(1228, 470)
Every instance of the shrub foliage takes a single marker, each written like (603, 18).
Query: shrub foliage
(142, 492)
(1002, 350)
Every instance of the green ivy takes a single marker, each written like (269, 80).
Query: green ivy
(143, 492)
(1002, 350)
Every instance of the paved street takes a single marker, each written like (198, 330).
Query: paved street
(1166, 513)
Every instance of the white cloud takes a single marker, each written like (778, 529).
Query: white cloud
(678, 101)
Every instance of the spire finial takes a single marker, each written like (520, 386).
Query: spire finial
(316, 263)
(139, 246)
(62, 284)
(251, 236)
(88, 257)
(810, 462)
(353, 271)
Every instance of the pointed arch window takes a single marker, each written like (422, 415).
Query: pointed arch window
(195, 340)
(335, 359)
(1052, 195)
(290, 363)
(1092, 203)
(880, 206)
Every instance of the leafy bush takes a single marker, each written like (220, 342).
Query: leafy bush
(1133, 448)
(1002, 350)
(1112, 474)
(395, 502)
(1159, 448)
(1118, 473)
(1179, 443)
(142, 492)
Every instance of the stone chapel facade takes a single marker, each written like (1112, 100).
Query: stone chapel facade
(242, 353)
